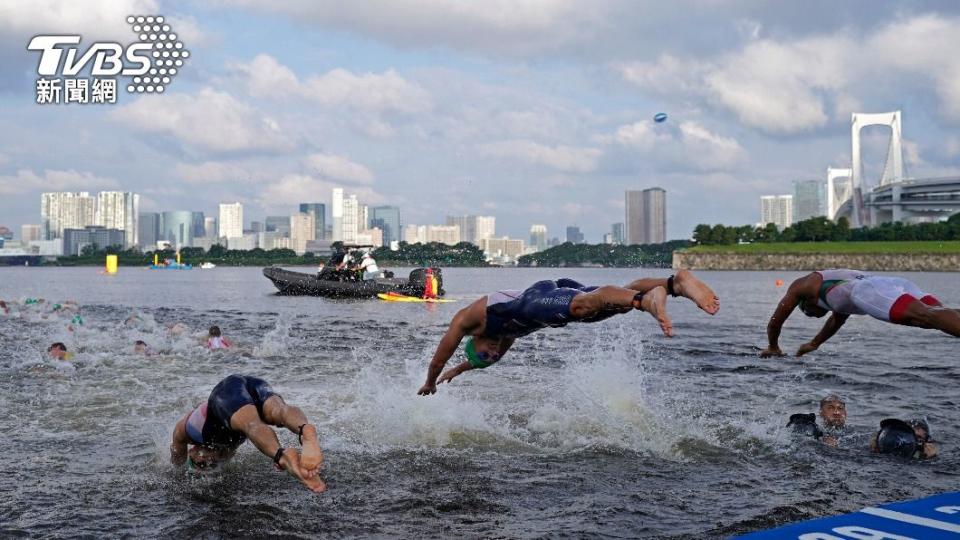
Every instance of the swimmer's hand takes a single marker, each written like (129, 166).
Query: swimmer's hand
(829, 440)
(771, 351)
(290, 462)
(806, 348)
(427, 389)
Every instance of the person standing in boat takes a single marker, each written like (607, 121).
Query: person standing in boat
(369, 267)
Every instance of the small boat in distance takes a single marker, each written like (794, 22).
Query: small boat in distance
(207, 266)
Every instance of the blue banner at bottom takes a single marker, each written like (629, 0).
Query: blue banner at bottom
(931, 518)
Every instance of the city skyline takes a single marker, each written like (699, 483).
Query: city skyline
(464, 115)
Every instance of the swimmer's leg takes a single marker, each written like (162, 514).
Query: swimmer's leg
(247, 420)
(684, 284)
(609, 298)
(923, 316)
(278, 413)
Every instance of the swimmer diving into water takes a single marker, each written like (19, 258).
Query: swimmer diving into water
(242, 407)
(496, 320)
(852, 292)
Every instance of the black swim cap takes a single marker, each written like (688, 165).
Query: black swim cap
(805, 424)
(896, 437)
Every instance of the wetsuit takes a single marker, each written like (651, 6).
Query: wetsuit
(512, 314)
(209, 424)
(851, 292)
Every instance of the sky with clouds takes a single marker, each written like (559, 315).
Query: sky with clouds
(535, 111)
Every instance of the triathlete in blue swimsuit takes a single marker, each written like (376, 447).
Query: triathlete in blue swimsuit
(496, 320)
(241, 407)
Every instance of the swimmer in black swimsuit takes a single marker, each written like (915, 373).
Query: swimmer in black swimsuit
(496, 320)
(242, 407)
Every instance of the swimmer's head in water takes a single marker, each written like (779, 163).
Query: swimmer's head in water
(59, 351)
(140, 347)
(214, 331)
(833, 411)
(896, 437)
(207, 459)
(811, 309)
(482, 352)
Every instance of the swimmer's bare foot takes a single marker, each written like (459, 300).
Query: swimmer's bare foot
(310, 455)
(687, 285)
(654, 302)
(291, 463)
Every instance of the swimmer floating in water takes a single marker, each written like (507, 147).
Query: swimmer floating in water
(851, 292)
(241, 407)
(496, 320)
(216, 340)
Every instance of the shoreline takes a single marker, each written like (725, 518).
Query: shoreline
(874, 262)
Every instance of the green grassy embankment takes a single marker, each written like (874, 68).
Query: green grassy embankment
(934, 246)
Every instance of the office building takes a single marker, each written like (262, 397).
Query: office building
(538, 237)
(387, 219)
(574, 235)
(319, 213)
(148, 230)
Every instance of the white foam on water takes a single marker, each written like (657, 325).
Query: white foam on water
(275, 342)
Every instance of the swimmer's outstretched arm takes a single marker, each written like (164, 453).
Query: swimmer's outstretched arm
(830, 328)
(786, 306)
(463, 322)
(178, 448)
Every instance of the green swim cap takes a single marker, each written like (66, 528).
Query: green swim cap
(472, 357)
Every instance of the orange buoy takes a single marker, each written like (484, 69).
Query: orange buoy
(779, 283)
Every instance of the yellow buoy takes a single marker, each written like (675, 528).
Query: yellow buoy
(156, 260)
(178, 257)
(111, 264)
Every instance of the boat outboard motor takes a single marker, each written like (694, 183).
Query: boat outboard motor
(418, 281)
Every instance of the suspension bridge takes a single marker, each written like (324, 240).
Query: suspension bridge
(894, 196)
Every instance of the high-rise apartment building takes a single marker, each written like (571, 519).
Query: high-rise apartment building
(319, 213)
(349, 220)
(119, 210)
(63, 210)
(231, 220)
(776, 209)
(645, 218)
(336, 214)
(474, 228)
(302, 230)
(655, 213)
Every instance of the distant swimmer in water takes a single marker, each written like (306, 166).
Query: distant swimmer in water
(851, 292)
(496, 320)
(242, 407)
(141, 347)
(216, 340)
(58, 351)
(4, 307)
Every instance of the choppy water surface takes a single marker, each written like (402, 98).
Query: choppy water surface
(606, 429)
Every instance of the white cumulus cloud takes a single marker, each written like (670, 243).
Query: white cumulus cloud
(561, 158)
(339, 168)
(27, 181)
(210, 120)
